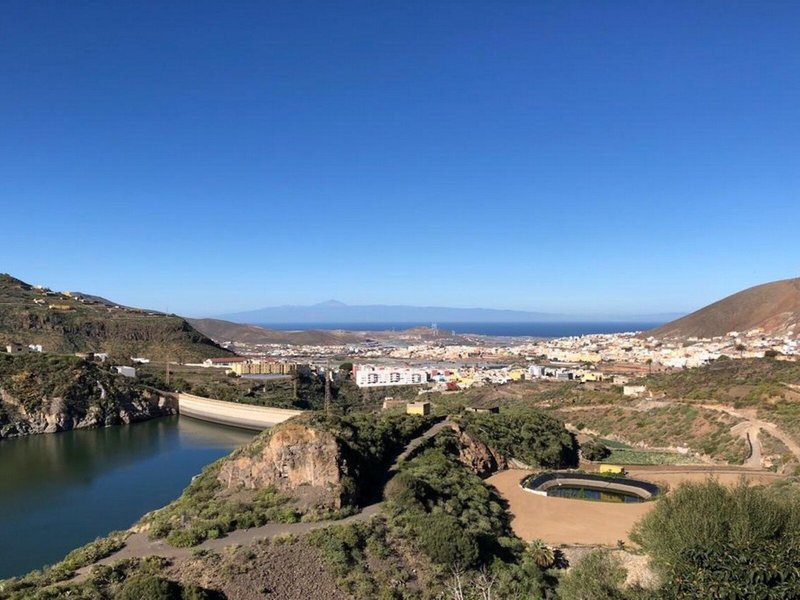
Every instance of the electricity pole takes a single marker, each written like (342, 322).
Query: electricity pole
(327, 390)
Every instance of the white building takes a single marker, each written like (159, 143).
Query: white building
(126, 371)
(372, 376)
(634, 390)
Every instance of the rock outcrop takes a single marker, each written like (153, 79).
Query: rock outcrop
(47, 394)
(310, 463)
(57, 415)
(479, 457)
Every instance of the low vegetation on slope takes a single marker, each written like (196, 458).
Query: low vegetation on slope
(444, 529)
(702, 430)
(739, 382)
(135, 579)
(314, 466)
(768, 385)
(27, 585)
(529, 435)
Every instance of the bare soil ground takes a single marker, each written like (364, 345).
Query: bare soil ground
(563, 521)
(285, 571)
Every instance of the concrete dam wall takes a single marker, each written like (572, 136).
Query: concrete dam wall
(232, 413)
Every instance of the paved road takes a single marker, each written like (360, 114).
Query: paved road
(138, 545)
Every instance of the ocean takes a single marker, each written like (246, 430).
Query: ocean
(529, 329)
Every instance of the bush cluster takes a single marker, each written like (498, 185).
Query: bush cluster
(711, 541)
(532, 436)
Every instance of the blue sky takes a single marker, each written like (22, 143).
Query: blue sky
(570, 157)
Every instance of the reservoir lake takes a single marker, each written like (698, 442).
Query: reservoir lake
(60, 491)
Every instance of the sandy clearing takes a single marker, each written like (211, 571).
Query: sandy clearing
(563, 521)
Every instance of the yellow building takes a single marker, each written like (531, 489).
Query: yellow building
(612, 469)
(516, 374)
(263, 367)
(418, 408)
(592, 376)
(61, 307)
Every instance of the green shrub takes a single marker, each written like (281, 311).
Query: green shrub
(532, 436)
(742, 541)
(595, 451)
(446, 541)
(599, 575)
(151, 587)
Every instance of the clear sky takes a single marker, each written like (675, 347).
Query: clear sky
(571, 157)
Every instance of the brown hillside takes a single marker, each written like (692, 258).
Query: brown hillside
(239, 333)
(66, 322)
(773, 307)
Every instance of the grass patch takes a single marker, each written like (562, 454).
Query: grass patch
(629, 456)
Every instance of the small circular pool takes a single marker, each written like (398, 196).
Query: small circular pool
(587, 486)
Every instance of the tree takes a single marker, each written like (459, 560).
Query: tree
(542, 555)
(346, 367)
(594, 450)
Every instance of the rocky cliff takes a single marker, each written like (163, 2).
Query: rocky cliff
(296, 458)
(46, 394)
(323, 461)
(477, 456)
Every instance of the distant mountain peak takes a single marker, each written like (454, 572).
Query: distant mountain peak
(331, 304)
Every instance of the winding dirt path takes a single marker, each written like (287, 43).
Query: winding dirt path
(749, 428)
(752, 425)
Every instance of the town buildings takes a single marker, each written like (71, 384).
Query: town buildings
(378, 376)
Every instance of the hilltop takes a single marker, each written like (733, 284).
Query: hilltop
(67, 322)
(773, 307)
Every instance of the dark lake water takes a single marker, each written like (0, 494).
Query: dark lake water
(60, 491)
(588, 493)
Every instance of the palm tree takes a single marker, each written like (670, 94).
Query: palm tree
(542, 554)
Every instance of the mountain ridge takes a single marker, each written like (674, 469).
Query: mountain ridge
(333, 311)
